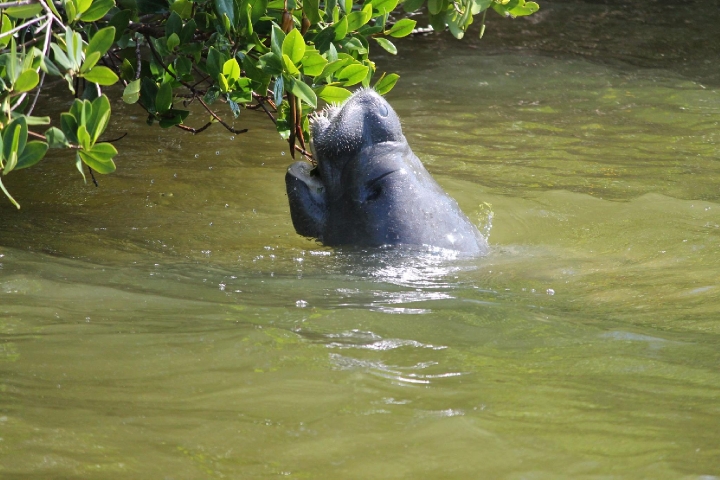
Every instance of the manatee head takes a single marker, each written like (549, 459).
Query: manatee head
(368, 188)
(339, 133)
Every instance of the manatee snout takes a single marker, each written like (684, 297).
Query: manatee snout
(369, 189)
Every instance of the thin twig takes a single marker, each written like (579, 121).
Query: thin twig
(20, 27)
(92, 175)
(192, 130)
(52, 14)
(261, 101)
(46, 46)
(220, 120)
(14, 4)
(138, 59)
(114, 139)
(304, 152)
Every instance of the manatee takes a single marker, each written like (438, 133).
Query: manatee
(368, 188)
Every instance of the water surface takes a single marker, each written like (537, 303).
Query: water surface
(171, 324)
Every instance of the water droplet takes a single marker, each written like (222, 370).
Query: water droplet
(232, 137)
(197, 155)
(282, 153)
(217, 152)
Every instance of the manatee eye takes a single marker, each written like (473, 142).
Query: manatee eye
(382, 109)
(375, 187)
(374, 192)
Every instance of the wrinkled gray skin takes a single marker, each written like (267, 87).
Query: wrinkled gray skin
(369, 189)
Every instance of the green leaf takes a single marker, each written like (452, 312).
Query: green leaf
(231, 70)
(477, 6)
(82, 5)
(386, 83)
(335, 66)
(225, 7)
(188, 31)
(26, 81)
(74, 43)
(5, 26)
(384, 6)
(222, 81)
(7, 194)
(294, 46)
(279, 90)
(90, 61)
(402, 28)
(69, 126)
(303, 91)
(70, 10)
(259, 8)
(289, 66)
(412, 5)
(271, 64)
(163, 99)
(437, 22)
(60, 57)
(79, 166)
(120, 21)
(183, 8)
(84, 137)
(30, 120)
(24, 11)
(341, 28)
(174, 24)
(313, 63)
(332, 54)
(277, 38)
(214, 62)
(356, 20)
(99, 158)
(173, 41)
(33, 153)
(524, 8)
(436, 6)
(14, 137)
(352, 74)
(97, 11)
(56, 138)
(332, 94)
(100, 117)
(387, 45)
(49, 67)
(101, 75)
(13, 145)
(312, 11)
(131, 94)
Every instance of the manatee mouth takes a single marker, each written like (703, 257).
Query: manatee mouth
(306, 194)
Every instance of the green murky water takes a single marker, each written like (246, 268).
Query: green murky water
(170, 324)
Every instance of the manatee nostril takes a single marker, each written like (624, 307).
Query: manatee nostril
(382, 109)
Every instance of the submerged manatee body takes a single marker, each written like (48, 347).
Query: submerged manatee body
(369, 189)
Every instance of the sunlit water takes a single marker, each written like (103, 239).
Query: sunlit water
(171, 324)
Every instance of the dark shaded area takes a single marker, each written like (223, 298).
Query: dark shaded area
(679, 36)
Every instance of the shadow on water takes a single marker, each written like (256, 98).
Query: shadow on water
(170, 324)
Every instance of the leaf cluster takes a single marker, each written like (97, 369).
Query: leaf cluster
(280, 57)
